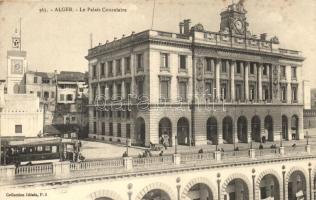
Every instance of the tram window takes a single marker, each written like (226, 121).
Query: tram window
(23, 150)
(47, 148)
(54, 149)
(65, 135)
(39, 148)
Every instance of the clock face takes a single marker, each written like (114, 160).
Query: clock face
(17, 67)
(238, 24)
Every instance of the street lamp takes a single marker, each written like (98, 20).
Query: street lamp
(281, 139)
(175, 144)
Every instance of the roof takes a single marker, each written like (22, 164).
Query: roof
(42, 74)
(71, 76)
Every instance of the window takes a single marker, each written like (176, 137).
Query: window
(111, 129)
(183, 62)
(119, 131)
(164, 90)
(39, 148)
(251, 93)
(265, 70)
(35, 79)
(118, 90)
(102, 69)
(110, 68)
(238, 92)
(102, 90)
(252, 68)
(223, 91)
(127, 65)
(183, 91)
(103, 128)
(62, 97)
(294, 93)
(110, 91)
(47, 148)
(118, 67)
(208, 89)
(164, 60)
(38, 94)
(45, 81)
(94, 127)
(283, 71)
(69, 97)
(238, 67)
(128, 114)
(293, 72)
(128, 131)
(224, 67)
(283, 93)
(46, 95)
(208, 65)
(18, 128)
(127, 89)
(139, 62)
(52, 95)
(94, 71)
(265, 91)
(140, 88)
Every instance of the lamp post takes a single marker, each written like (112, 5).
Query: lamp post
(175, 144)
(307, 138)
(281, 139)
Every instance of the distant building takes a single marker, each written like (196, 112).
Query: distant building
(43, 85)
(313, 98)
(72, 99)
(20, 115)
(306, 94)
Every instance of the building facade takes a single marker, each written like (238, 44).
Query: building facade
(20, 119)
(196, 86)
(313, 98)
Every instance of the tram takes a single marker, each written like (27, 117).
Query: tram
(38, 149)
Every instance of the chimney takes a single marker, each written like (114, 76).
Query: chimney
(181, 24)
(186, 26)
(263, 36)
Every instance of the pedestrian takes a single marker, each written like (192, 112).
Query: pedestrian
(201, 151)
(260, 146)
(161, 153)
(222, 149)
(124, 154)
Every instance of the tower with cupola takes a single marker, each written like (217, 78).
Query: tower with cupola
(16, 66)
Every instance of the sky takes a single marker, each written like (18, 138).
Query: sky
(60, 40)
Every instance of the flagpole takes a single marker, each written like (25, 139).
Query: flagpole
(20, 34)
(152, 19)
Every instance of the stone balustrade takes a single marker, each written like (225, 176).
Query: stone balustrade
(112, 166)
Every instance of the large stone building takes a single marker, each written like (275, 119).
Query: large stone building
(246, 88)
(313, 98)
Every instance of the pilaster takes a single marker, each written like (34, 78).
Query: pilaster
(217, 78)
(247, 81)
(232, 79)
(260, 66)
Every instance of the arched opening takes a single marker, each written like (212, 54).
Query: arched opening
(104, 198)
(165, 131)
(269, 187)
(228, 130)
(237, 190)
(297, 186)
(211, 130)
(140, 131)
(255, 129)
(268, 129)
(284, 127)
(183, 131)
(242, 129)
(200, 191)
(294, 127)
(156, 194)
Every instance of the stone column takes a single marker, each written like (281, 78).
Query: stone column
(217, 78)
(114, 90)
(247, 81)
(235, 131)
(232, 80)
(133, 72)
(260, 66)
(289, 130)
(300, 84)
(249, 139)
(98, 90)
(90, 93)
(123, 66)
(288, 84)
(114, 68)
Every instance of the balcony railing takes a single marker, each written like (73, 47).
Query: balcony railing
(98, 164)
(153, 161)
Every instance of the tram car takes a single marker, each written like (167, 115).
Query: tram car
(38, 149)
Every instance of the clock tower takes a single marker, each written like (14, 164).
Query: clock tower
(16, 66)
(234, 21)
